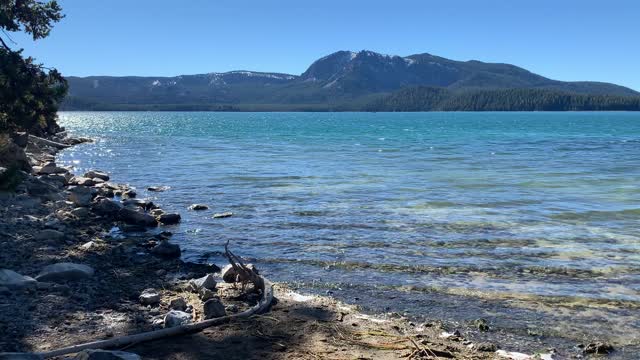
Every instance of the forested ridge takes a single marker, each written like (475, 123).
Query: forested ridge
(439, 99)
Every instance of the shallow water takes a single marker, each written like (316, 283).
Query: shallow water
(528, 206)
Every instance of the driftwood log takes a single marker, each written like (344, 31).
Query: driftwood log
(48, 142)
(263, 305)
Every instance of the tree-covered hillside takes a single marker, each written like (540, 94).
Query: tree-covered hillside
(439, 99)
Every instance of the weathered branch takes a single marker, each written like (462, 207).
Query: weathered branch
(263, 305)
(48, 142)
(5, 44)
(244, 273)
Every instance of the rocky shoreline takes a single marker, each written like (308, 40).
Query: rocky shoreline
(84, 259)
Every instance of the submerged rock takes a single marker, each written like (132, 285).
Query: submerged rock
(158, 188)
(62, 272)
(176, 318)
(169, 219)
(213, 308)
(12, 280)
(222, 215)
(198, 207)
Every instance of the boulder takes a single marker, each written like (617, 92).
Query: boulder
(133, 217)
(176, 318)
(198, 207)
(41, 188)
(169, 219)
(178, 304)
(80, 195)
(213, 308)
(49, 235)
(12, 280)
(106, 355)
(129, 194)
(166, 249)
(97, 174)
(206, 282)
(62, 272)
(82, 181)
(107, 207)
(149, 297)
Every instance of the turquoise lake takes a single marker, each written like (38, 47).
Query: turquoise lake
(440, 215)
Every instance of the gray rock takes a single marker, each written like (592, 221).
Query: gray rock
(107, 207)
(156, 212)
(129, 194)
(213, 308)
(80, 195)
(166, 249)
(169, 219)
(178, 304)
(49, 235)
(62, 272)
(198, 207)
(2, 171)
(205, 294)
(176, 318)
(149, 297)
(145, 204)
(12, 280)
(80, 212)
(106, 355)
(134, 217)
(51, 168)
(97, 174)
(206, 282)
(81, 181)
(20, 356)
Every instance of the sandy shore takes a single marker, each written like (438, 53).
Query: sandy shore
(126, 275)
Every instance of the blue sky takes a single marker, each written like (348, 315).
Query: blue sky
(561, 39)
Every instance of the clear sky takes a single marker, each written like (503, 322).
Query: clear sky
(562, 39)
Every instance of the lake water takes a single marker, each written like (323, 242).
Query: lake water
(525, 219)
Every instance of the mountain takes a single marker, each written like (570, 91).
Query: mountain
(344, 80)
